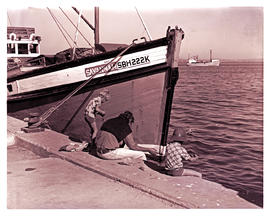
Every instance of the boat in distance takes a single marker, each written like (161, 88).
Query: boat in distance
(194, 61)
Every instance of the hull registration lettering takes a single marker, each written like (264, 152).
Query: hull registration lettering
(122, 64)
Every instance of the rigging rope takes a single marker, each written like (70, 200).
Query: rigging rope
(59, 26)
(78, 29)
(148, 33)
(46, 114)
(76, 35)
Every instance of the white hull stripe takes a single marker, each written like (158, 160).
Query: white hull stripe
(128, 62)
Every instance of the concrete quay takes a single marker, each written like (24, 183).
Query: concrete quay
(183, 192)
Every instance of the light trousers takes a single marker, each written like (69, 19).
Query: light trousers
(121, 153)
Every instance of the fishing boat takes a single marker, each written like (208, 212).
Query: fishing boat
(194, 61)
(55, 93)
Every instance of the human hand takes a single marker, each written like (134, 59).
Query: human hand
(191, 152)
(194, 157)
(102, 114)
(153, 151)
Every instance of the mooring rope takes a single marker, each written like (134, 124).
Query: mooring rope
(46, 114)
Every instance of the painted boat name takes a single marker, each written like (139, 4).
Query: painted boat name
(120, 65)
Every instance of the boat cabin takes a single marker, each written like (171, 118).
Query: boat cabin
(22, 42)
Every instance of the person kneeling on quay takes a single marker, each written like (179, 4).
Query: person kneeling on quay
(112, 136)
(174, 154)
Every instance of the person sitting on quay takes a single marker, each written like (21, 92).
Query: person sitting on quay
(174, 154)
(114, 134)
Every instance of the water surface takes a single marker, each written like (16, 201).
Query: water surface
(224, 107)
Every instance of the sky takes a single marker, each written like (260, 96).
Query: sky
(232, 32)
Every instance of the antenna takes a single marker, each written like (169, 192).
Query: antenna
(9, 19)
(144, 24)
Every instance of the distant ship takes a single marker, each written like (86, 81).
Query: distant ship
(194, 61)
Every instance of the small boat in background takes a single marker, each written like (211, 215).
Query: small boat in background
(194, 61)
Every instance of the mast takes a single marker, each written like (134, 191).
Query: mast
(94, 28)
(96, 31)
(210, 55)
(84, 19)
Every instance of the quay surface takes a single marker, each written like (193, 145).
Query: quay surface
(183, 192)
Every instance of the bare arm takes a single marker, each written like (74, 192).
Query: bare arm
(193, 155)
(132, 145)
(100, 111)
(193, 158)
(188, 156)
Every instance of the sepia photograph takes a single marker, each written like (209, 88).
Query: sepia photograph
(118, 106)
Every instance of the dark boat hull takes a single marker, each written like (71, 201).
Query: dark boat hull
(141, 96)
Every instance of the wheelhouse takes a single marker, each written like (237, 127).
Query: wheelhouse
(22, 42)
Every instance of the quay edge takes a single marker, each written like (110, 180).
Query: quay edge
(186, 192)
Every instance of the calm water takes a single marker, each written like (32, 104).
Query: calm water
(224, 107)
